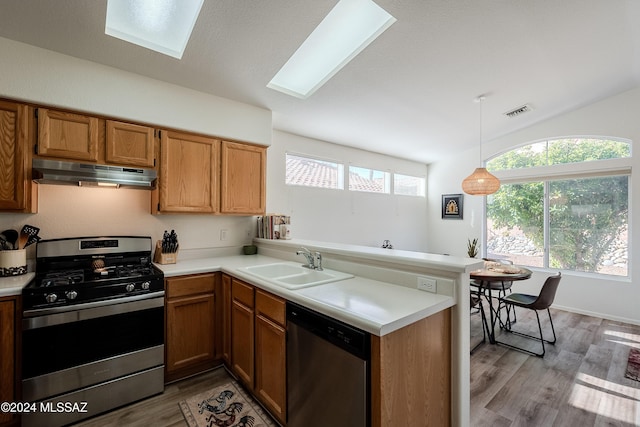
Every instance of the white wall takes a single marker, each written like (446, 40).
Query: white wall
(344, 216)
(41, 76)
(606, 297)
(32, 74)
(67, 211)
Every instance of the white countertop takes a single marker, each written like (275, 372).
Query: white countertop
(374, 306)
(13, 285)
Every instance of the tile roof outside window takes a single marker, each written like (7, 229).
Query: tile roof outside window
(310, 172)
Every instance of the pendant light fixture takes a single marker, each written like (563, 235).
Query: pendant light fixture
(481, 182)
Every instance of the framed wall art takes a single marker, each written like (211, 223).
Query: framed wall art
(452, 206)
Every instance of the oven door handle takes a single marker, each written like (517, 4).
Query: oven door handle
(34, 319)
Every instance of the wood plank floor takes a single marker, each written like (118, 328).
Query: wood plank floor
(579, 382)
(161, 410)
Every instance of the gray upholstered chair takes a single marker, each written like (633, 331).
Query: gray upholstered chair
(476, 307)
(539, 302)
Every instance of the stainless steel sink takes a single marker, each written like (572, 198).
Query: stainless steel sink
(291, 275)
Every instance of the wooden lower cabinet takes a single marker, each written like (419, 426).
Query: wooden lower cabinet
(271, 353)
(9, 346)
(411, 374)
(190, 325)
(225, 310)
(242, 331)
(410, 367)
(258, 344)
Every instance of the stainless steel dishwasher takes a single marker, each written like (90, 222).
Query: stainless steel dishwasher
(327, 371)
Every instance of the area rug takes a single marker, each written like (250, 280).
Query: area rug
(633, 365)
(227, 405)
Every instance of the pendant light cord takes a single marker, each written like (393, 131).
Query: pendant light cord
(479, 100)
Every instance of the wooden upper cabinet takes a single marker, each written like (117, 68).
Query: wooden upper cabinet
(67, 135)
(189, 169)
(14, 156)
(13, 162)
(130, 144)
(243, 179)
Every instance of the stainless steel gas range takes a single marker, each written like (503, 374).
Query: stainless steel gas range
(93, 328)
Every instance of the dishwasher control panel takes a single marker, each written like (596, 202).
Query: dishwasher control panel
(350, 338)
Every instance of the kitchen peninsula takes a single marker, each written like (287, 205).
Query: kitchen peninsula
(420, 340)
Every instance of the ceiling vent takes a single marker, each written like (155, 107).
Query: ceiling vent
(518, 111)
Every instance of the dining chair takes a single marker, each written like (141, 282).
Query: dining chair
(539, 302)
(476, 304)
(501, 287)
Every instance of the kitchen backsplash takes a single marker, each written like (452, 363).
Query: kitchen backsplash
(66, 211)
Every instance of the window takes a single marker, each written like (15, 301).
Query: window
(569, 212)
(370, 180)
(560, 151)
(408, 185)
(310, 172)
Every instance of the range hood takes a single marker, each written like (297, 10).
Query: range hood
(80, 174)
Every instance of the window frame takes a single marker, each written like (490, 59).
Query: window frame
(388, 188)
(546, 174)
(423, 184)
(341, 178)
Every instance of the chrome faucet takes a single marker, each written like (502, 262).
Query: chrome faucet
(318, 261)
(314, 260)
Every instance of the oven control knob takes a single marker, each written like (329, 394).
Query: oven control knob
(51, 298)
(71, 294)
(146, 285)
(130, 287)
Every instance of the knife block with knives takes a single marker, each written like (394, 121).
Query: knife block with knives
(166, 251)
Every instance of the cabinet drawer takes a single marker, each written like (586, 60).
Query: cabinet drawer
(270, 306)
(190, 285)
(242, 292)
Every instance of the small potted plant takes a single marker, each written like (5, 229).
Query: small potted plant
(472, 248)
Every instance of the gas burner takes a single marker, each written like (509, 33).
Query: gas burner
(59, 278)
(122, 271)
(75, 271)
(133, 270)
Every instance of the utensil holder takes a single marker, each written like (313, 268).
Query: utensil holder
(164, 258)
(13, 263)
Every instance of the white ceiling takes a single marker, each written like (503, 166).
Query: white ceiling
(409, 94)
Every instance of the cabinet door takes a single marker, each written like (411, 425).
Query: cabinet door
(67, 135)
(226, 319)
(243, 179)
(189, 170)
(130, 144)
(270, 354)
(7, 356)
(190, 325)
(190, 331)
(14, 156)
(242, 331)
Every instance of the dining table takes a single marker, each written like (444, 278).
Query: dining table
(491, 273)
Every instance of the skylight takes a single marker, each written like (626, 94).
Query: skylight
(348, 28)
(161, 25)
